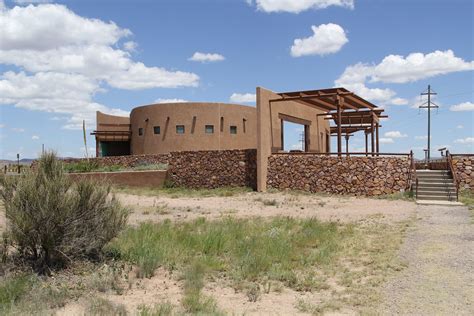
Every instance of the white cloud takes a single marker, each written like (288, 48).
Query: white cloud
(395, 134)
(3, 7)
(399, 101)
(243, 97)
(326, 39)
(206, 57)
(70, 59)
(399, 69)
(460, 126)
(465, 106)
(386, 140)
(416, 66)
(35, 137)
(297, 6)
(130, 46)
(54, 92)
(21, 2)
(467, 140)
(175, 100)
(2, 125)
(18, 129)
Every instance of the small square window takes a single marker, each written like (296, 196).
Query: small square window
(140, 131)
(156, 129)
(209, 129)
(179, 129)
(233, 129)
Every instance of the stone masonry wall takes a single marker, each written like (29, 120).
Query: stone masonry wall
(463, 168)
(197, 169)
(339, 175)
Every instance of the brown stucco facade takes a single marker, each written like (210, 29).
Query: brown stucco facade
(163, 128)
(174, 127)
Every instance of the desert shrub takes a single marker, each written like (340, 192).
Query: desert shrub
(51, 219)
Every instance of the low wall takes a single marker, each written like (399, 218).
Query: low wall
(463, 168)
(339, 175)
(148, 178)
(197, 169)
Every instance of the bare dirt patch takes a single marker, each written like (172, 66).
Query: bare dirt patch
(252, 204)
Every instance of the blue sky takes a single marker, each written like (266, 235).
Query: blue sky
(60, 61)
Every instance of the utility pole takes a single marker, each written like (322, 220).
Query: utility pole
(429, 106)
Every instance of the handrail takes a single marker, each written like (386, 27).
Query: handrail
(413, 172)
(342, 154)
(453, 172)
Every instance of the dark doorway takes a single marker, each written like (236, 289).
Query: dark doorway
(114, 148)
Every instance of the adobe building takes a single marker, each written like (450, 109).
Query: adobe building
(197, 126)
(191, 126)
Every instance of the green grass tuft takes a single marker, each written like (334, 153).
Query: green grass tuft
(249, 250)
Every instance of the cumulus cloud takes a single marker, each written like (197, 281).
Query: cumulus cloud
(386, 140)
(18, 129)
(297, 6)
(174, 100)
(206, 57)
(326, 39)
(35, 137)
(243, 97)
(399, 69)
(460, 126)
(130, 46)
(2, 125)
(461, 107)
(395, 134)
(467, 140)
(65, 59)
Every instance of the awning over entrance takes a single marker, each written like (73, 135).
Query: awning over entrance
(349, 112)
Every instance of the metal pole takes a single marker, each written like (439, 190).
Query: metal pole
(18, 162)
(429, 107)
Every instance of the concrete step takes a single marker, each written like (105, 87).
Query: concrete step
(438, 192)
(447, 184)
(433, 178)
(435, 197)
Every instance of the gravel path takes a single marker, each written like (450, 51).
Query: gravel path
(439, 279)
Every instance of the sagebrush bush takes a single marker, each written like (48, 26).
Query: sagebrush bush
(52, 220)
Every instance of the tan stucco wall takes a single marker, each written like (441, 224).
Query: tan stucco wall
(168, 115)
(269, 129)
(111, 123)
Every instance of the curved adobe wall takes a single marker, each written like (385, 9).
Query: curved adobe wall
(194, 117)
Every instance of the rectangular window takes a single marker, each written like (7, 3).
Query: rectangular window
(179, 129)
(233, 129)
(209, 129)
(140, 131)
(156, 129)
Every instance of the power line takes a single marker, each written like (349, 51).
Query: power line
(429, 93)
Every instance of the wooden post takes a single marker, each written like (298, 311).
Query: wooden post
(366, 143)
(372, 136)
(347, 145)
(377, 137)
(339, 130)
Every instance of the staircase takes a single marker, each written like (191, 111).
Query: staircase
(435, 185)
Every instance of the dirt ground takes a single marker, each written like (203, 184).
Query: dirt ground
(252, 204)
(438, 252)
(439, 279)
(163, 287)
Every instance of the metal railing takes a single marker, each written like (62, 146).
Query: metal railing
(453, 173)
(412, 177)
(374, 154)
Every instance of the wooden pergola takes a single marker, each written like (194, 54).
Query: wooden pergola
(349, 112)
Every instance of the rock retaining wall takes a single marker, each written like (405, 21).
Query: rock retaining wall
(339, 175)
(463, 168)
(197, 169)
